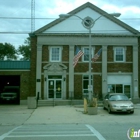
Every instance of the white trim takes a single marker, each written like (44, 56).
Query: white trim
(54, 82)
(92, 52)
(60, 53)
(86, 75)
(124, 53)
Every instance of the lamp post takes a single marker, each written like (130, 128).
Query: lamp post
(88, 23)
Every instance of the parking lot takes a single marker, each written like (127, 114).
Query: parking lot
(20, 114)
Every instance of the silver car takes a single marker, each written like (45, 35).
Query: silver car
(114, 102)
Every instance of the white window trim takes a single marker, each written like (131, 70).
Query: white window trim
(124, 53)
(85, 75)
(92, 52)
(60, 53)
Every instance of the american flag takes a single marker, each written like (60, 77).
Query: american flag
(96, 56)
(78, 54)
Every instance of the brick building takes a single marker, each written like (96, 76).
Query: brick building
(16, 74)
(53, 48)
(51, 74)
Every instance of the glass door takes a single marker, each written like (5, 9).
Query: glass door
(58, 87)
(55, 88)
(51, 89)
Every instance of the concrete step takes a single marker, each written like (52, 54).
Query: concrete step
(45, 103)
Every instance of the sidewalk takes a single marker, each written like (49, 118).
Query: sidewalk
(20, 114)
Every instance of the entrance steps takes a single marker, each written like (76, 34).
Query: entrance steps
(64, 102)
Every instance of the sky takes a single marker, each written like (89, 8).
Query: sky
(15, 15)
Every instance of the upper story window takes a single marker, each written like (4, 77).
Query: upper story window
(119, 54)
(85, 57)
(55, 54)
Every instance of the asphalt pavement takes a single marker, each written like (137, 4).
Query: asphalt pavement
(20, 115)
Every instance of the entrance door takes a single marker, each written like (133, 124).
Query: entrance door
(55, 88)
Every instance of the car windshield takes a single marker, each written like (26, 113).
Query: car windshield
(118, 98)
(10, 90)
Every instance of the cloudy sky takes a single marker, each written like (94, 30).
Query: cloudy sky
(15, 22)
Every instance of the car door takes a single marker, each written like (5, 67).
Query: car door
(106, 101)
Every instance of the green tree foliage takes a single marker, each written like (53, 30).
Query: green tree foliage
(7, 51)
(25, 50)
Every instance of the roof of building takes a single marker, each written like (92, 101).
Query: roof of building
(95, 8)
(16, 65)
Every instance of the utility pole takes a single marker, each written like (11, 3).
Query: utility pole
(32, 16)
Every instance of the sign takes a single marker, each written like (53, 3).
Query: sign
(90, 87)
(131, 133)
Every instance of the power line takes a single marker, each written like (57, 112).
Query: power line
(74, 32)
(23, 18)
(57, 18)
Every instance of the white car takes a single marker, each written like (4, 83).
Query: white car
(114, 102)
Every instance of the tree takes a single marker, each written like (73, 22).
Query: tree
(7, 51)
(25, 50)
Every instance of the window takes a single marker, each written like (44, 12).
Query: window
(120, 88)
(119, 54)
(115, 88)
(85, 57)
(85, 84)
(55, 54)
(127, 90)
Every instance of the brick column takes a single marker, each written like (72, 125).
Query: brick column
(135, 88)
(38, 70)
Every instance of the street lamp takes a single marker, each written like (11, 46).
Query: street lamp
(88, 23)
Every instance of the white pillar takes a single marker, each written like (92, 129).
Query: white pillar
(104, 70)
(38, 70)
(135, 88)
(71, 71)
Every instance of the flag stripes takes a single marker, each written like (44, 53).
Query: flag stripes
(79, 53)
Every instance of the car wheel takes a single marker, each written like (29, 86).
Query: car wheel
(109, 110)
(132, 112)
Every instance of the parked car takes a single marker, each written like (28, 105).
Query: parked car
(114, 102)
(9, 94)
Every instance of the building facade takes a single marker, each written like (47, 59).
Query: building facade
(53, 50)
(51, 74)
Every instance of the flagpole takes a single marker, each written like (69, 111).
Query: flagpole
(90, 87)
(88, 23)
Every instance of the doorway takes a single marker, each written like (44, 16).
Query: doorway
(54, 88)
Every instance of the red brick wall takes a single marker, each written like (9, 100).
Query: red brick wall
(65, 53)
(129, 54)
(33, 66)
(45, 53)
(78, 86)
(123, 67)
(97, 86)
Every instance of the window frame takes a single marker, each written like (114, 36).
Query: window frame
(124, 54)
(92, 52)
(50, 54)
(85, 77)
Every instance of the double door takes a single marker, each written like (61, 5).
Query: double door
(54, 88)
